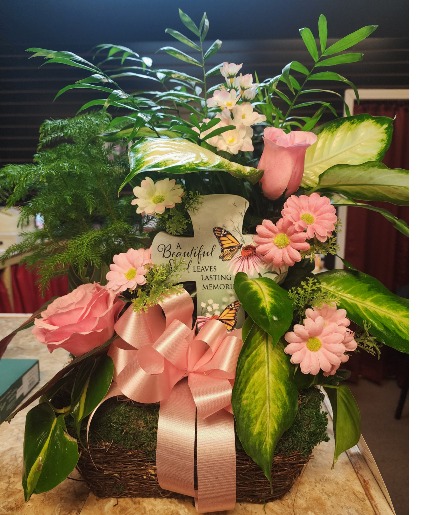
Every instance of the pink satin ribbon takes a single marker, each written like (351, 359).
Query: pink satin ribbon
(160, 359)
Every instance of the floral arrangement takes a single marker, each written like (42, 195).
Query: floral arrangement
(228, 192)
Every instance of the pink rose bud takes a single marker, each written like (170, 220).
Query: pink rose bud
(283, 161)
(80, 320)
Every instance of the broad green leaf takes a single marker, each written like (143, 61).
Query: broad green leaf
(346, 418)
(267, 303)
(352, 57)
(398, 223)
(309, 42)
(265, 397)
(93, 387)
(178, 54)
(350, 40)
(323, 31)
(352, 140)
(366, 299)
(179, 156)
(372, 181)
(213, 49)
(183, 39)
(188, 22)
(50, 454)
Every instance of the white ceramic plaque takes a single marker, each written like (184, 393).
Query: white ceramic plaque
(214, 254)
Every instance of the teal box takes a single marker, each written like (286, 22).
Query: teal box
(17, 378)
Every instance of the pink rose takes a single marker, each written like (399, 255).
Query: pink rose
(80, 320)
(283, 161)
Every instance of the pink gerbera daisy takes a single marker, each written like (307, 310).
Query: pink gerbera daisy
(280, 244)
(128, 270)
(311, 213)
(332, 315)
(315, 346)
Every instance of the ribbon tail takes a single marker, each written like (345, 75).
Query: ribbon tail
(175, 452)
(216, 463)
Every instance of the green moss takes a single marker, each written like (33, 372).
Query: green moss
(134, 426)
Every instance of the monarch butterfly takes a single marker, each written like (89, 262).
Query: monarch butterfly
(228, 243)
(228, 316)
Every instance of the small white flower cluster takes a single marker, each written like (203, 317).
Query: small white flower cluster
(236, 109)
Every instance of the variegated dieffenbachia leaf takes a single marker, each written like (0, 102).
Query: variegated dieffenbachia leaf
(267, 303)
(371, 181)
(352, 140)
(265, 397)
(180, 156)
(346, 418)
(366, 299)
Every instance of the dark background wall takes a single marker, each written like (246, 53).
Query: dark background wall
(262, 35)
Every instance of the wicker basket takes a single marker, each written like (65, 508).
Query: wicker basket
(114, 470)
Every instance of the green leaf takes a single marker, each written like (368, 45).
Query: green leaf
(366, 299)
(214, 71)
(91, 388)
(372, 181)
(309, 42)
(204, 27)
(398, 223)
(352, 57)
(333, 76)
(183, 39)
(265, 397)
(350, 40)
(179, 156)
(352, 140)
(50, 454)
(188, 22)
(213, 49)
(178, 54)
(323, 31)
(346, 418)
(266, 303)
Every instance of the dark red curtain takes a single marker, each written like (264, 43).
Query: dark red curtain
(375, 247)
(372, 244)
(27, 296)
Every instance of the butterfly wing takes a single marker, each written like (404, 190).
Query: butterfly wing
(229, 315)
(228, 243)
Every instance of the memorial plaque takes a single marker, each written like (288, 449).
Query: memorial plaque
(216, 252)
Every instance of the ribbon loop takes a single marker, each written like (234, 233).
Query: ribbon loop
(156, 350)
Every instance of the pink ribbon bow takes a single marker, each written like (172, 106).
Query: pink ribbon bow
(151, 357)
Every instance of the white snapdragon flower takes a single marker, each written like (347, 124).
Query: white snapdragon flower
(236, 140)
(244, 81)
(230, 69)
(223, 99)
(155, 197)
(244, 114)
(249, 94)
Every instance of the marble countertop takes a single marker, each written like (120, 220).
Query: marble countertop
(353, 487)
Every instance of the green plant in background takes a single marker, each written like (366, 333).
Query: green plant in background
(73, 184)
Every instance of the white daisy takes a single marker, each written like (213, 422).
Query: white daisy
(155, 197)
